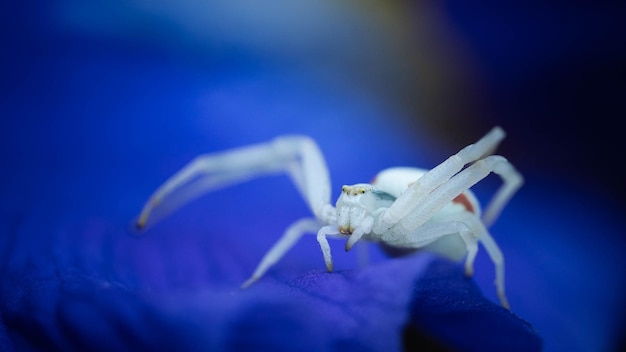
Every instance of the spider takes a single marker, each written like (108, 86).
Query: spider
(403, 208)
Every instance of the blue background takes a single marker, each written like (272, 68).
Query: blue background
(101, 101)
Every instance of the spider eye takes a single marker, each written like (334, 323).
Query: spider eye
(344, 189)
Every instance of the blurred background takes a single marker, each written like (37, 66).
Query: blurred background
(102, 100)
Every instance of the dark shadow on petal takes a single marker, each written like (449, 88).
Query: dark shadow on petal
(414, 339)
(450, 308)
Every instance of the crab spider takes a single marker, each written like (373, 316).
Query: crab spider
(403, 208)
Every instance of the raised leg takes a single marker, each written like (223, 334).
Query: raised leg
(289, 238)
(444, 194)
(513, 180)
(439, 175)
(299, 156)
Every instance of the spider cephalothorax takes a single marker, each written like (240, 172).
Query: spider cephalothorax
(357, 202)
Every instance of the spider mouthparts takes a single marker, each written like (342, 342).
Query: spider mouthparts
(346, 230)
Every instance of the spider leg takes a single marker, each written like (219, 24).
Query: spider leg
(497, 258)
(322, 239)
(471, 230)
(439, 175)
(364, 228)
(432, 231)
(513, 180)
(288, 240)
(298, 156)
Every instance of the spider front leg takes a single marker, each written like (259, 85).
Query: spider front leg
(288, 240)
(322, 239)
(299, 156)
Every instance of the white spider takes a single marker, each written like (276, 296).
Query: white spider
(404, 208)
